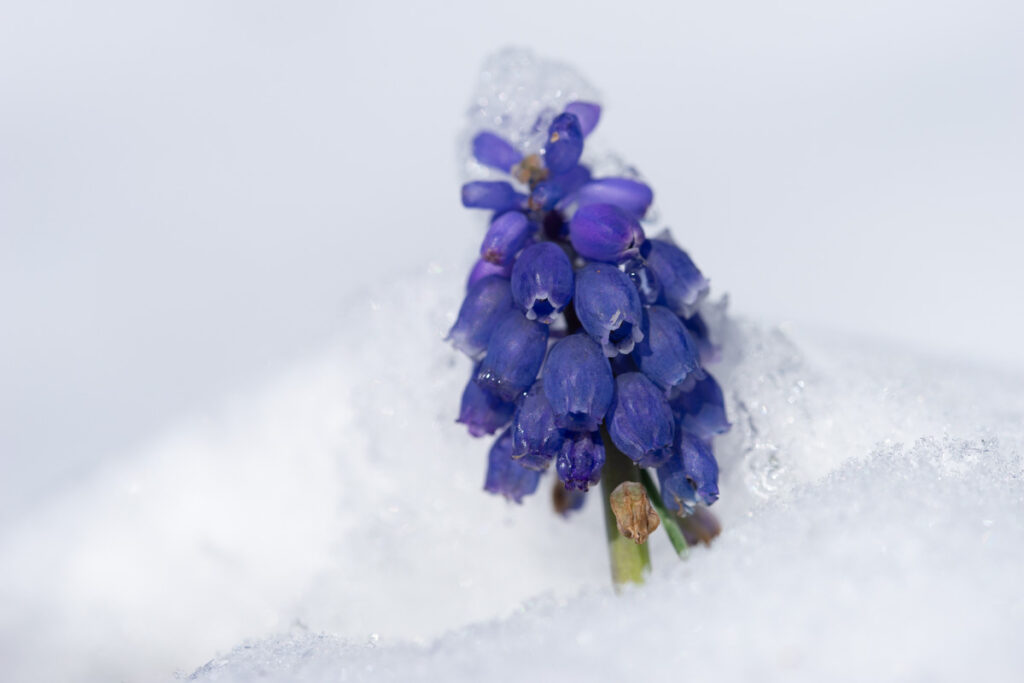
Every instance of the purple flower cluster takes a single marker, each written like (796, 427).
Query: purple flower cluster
(581, 326)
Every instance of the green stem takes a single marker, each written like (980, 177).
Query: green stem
(630, 561)
(668, 520)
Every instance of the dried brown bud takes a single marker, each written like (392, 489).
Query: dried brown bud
(530, 170)
(634, 514)
(700, 527)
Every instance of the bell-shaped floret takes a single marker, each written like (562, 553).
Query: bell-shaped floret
(578, 383)
(542, 281)
(505, 476)
(608, 306)
(506, 236)
(564, 144)
(690, 476)
(515, 353)
(604, 232)
(683, 285)
(536, 437)
(495, 151)
(646, 282)
(580, 461)
(667, 354)
(698, 329)
(701, 410)
(486, 303)
(640, 421)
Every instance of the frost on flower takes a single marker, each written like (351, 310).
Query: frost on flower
(587, 335)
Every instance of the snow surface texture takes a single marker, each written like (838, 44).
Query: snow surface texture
(871, 503)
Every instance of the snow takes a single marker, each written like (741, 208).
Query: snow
(871, 505)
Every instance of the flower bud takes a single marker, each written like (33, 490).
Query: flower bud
(578, 383)
(698, 329)
(482, 269)
(587, 113)
(580, 461)
(701, 526)
(683, 285)
(627, 194)
(634, 514)
(496, 152)
(608, 306)
(701, 410)
(536, 439)
(496, 195)
(505, 237)
(505, 476)
(515, 353)
(668, 354)
(603, 232)
(542, 281)
(643, 278)
(564, 145)
(482, 412)
(486, 302)
(690, 476)
(640, 421)
(566, 501)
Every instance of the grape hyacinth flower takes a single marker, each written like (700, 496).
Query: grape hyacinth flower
(542, 281)
(536, 438)
(587, 342)
(578, 383)
(608, 306)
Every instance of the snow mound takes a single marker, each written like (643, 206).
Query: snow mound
(903, 566)
(872, 509)
(871, 503)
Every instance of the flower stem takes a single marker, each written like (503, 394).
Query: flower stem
(630, 561)
(668, 520)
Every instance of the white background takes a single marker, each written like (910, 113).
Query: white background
(191, 192)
